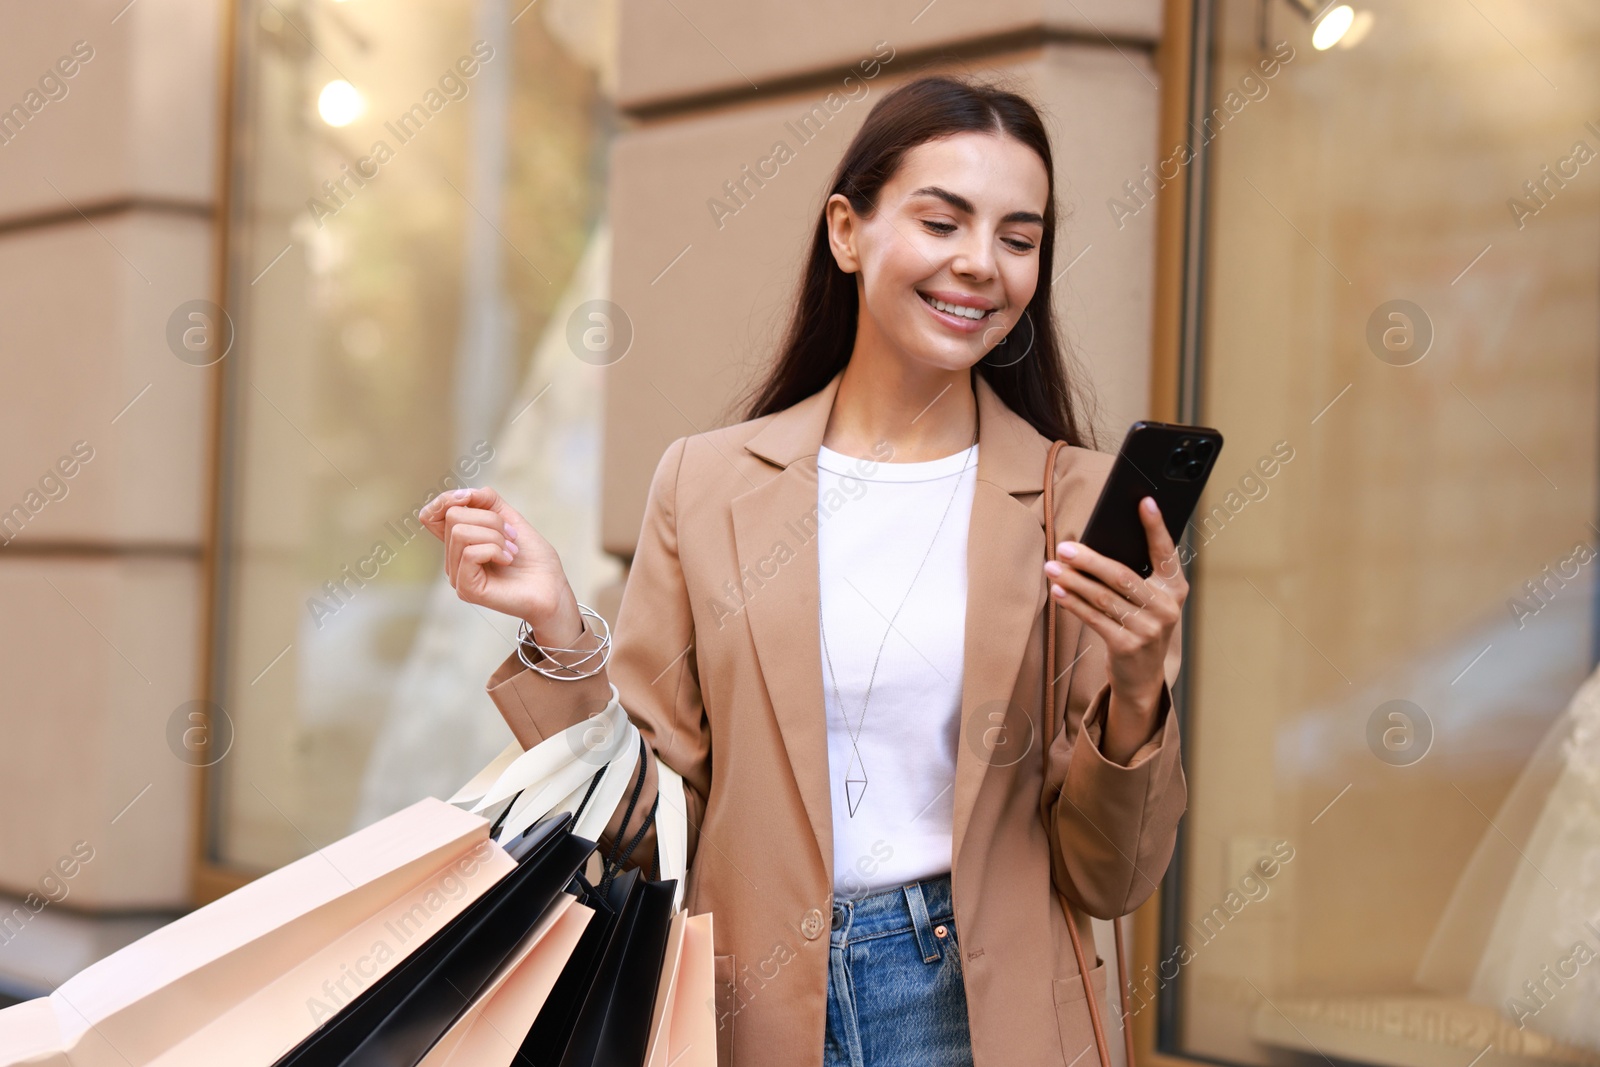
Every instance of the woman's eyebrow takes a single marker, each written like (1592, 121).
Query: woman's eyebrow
(961, 203)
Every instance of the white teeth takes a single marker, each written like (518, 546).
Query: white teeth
(956, 309)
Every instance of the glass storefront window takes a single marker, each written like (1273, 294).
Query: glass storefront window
(1392, 853)
(416, 205)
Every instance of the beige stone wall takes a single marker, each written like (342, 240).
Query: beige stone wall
(107, 190)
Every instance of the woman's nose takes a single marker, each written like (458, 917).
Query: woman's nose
(975, 259)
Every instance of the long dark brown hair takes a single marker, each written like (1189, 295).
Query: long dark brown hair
(822, 331)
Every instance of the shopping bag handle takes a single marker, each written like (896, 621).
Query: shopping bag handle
(612, 863)
(672, 828)
(558, 771)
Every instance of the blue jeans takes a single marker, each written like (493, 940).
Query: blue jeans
(895, 997)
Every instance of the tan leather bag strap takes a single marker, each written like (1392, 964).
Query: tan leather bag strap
(1049, 719)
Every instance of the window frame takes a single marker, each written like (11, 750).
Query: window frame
(1185, 61)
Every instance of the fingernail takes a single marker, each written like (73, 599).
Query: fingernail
(462, 494)
(1070, 550)
(507, 554)
(1149, 505)
(511, 546)
(1053, 569)
(511, 531)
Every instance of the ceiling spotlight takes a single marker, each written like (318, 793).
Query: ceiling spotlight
(1332, 23)
(340, 103)
(1328, 30)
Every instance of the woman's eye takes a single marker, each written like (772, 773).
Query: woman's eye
(944, 228)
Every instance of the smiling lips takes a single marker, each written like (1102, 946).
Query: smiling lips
(959, 311)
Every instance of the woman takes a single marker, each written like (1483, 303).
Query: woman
(833, 629)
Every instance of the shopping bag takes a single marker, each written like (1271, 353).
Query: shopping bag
(599, 1012)
(604, 1010)
(683, 1027)
(638, 986)
(545, 1042)
(396, 1021)
(250, 974)
(584, 769)
(491, 1031)
(613, 1025)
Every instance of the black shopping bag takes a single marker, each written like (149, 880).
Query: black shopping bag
(613, 1026)
(546, 1042)
(599, 1012)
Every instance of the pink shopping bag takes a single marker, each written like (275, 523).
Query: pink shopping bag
(245, 978)
(683, 1031)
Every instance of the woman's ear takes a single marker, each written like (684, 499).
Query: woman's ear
(843, 232)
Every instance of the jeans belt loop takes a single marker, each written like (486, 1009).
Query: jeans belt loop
(921, 924)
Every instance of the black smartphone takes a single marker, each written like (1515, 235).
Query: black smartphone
(1158, 459)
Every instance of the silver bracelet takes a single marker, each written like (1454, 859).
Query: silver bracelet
(561, 671)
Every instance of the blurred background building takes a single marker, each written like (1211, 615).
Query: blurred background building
(274, 272)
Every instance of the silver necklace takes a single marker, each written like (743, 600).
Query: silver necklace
(853, 796)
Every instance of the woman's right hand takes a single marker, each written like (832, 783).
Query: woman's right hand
(495, 558)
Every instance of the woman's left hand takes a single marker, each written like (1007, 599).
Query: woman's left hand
(1136, 618)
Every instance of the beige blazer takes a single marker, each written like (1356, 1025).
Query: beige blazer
(716, 657)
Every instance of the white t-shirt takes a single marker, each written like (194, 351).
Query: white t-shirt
(875, 522)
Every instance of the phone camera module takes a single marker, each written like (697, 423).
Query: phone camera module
(1189, 459)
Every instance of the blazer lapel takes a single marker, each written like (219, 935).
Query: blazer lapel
(775, 526)
(1006, 592)
(775, 537)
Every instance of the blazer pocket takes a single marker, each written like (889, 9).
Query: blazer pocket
(724, 975)
(1072, 1014)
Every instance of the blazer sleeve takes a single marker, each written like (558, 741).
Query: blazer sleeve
(653, 665)
(1113, 827)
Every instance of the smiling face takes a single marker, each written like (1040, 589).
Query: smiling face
(949, 258)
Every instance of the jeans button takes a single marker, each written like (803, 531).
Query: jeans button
(811, 925)
(941, 930)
